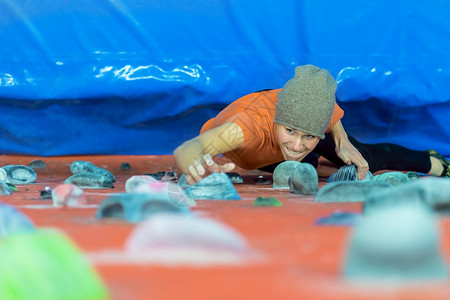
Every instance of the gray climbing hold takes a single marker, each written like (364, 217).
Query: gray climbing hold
(46, 194)
(165, 232)
(394, 178)
(81, 166)
(125, 166)
(90, 181)
(349, 191)
(4, 188)
(216, 186)
(432, 192)
(304, 180)
(262, 180)
(20, 174)
(134, 181)
(12, 221)
(412, 175)
(137, 207)
(37, 164)
(348, 173)
(235, 177)
(154, 175)
(169, 176)
(395, 244)
(160, 174)
(3, 175)
(282, 173)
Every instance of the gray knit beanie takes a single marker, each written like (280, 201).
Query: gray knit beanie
(306, 101)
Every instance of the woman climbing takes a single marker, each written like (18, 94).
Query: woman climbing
(262, 129)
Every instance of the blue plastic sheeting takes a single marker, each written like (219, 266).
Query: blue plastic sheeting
(140, 77)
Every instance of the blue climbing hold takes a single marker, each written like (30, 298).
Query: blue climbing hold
(13, 221)
(216, 186)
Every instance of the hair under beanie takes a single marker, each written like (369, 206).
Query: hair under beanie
(306, 101)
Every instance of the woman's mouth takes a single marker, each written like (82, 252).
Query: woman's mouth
(292, 152)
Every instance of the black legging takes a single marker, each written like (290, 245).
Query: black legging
(379, 156)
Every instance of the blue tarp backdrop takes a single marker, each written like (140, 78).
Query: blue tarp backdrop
(140, 77)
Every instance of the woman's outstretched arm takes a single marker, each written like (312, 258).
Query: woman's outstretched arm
(194, 157)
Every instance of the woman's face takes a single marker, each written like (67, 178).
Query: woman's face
(295, 144)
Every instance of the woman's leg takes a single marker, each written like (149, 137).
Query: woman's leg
(379, 156)
(382, 156)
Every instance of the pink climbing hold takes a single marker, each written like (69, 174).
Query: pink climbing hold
(68, 194)
(171, 191)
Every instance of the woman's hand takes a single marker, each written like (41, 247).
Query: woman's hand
(347, 152)
(194, 157)
(204, 167)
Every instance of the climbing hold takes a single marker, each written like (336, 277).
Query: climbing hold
(81, 166)
(46, 265)
(3, 175)
(4, 188)
(20, 174)
(134, 181)
(216, 186)
(262, 180)
(396, 244)
(304, 180)
(182, 181)
(348, 173)
(235, 177)
(174, 193)
(37, 164)
(412, 175)
(137, 207)
(267, 201)
(282, 173)
(90, 181)
(339, 218)
(178, 231)
(432, 192)
(13, 221)
(154, 175)
(160, 174)
(393, 178)
(68, 195)
(169, 176)
(125, 166)
(349, 191)
(46, 193)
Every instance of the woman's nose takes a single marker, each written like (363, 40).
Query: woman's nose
(297, 145)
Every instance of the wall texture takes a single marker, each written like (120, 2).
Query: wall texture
(139, 77)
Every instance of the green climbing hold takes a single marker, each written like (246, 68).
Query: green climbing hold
(12, 187)
(267, 201)
(46, 265)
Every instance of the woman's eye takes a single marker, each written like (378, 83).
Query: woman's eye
(310, 137)
(289, 130)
